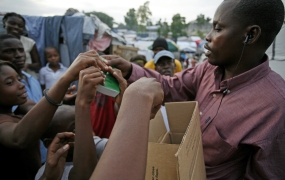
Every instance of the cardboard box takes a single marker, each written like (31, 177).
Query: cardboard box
(177, 154)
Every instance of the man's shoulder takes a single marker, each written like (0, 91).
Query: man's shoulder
(276, 84)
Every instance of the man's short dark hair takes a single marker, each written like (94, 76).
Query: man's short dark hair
(7, 36)
(268, 14)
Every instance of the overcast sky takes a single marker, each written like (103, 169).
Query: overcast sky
(117, 9)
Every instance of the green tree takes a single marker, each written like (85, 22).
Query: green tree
(143, 15)
(178, 26)
(131, 19)
(202, 20)
(164, 28)
(105, 18)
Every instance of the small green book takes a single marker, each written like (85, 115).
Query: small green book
(111, 86)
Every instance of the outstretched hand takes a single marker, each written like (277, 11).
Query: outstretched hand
(148, 87)
(56, 155)
(118, 62)
(122, 83)
(88, 80)
(83, 61)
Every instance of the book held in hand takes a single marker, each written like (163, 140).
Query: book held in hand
(111, 86)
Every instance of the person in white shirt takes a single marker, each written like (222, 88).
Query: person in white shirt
(53, 70)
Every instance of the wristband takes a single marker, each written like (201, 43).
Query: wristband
(51, 101)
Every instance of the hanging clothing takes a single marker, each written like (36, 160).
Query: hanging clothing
(72, 34)
(52, 31)
(35, 26)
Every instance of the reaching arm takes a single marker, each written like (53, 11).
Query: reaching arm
(26, 107)
(34, 123)
(85, 157)
(125, 155)
(56, 156)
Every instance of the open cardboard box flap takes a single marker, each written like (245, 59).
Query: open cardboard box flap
(176, 154)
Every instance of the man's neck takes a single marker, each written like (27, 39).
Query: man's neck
(246, 64)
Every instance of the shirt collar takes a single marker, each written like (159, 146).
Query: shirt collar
(26, 74)
(61, 66)
(243, 79)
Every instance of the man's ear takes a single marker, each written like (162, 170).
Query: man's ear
(254, 31)
(47, 142)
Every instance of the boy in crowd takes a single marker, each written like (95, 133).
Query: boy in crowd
(53, 70)
(241, 100)
(158, 45)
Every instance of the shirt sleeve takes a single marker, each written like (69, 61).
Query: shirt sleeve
(268, 160)
(182, 86)
(100, 144)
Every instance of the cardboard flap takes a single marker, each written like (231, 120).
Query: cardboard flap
(179, 115)
(157, 128)
(161, 161)
(191, 150)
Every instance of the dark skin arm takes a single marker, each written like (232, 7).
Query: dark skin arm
(34, 123)
(84, 157)
(26, 107)
(36, 62)
(123, 157)
(56, 156)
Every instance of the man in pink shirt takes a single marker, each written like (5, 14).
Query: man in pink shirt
(241, 100)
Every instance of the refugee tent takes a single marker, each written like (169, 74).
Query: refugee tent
(72, 34)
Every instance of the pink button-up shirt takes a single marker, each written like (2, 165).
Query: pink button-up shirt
(245, 136)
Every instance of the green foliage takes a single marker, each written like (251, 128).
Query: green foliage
(143, 14)
(105, 18)
(178, 26)
(131, 19)
(200, 34)
(202, 20)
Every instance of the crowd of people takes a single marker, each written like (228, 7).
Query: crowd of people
(49, 131)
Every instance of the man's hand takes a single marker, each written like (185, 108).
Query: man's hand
(119, 63)
(122, 83)
(148, 87)
(56, 155)
(83, 61)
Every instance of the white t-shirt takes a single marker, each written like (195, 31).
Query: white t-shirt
(28, 45)
(48, 77)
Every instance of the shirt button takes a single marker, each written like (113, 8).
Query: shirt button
(214, 95)
(201, 113)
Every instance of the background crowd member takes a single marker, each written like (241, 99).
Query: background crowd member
(104, 109)
(242, 127)
(19, 137)
(11, 49)
(53, 70)
(123, 157)
(15, 24)
(139, 60)
(164, 63)
(158, 45)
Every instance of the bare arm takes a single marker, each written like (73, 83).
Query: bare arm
(36, 62)
(34, 123)
(26, 107)
(125, 155)
(84, 157)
